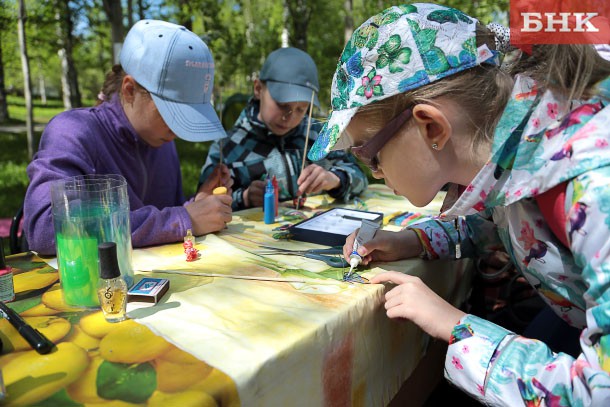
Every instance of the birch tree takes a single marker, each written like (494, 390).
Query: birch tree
(4, 21)
(27, 81)
(69, 77)
(114, 12)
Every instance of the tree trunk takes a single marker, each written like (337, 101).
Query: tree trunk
(129, 13)
(42, 84)
(3, 103)
(185, 14)
(27, 81)
(69, 76)
(285, 27)
(114, 12)
(349, 20)
(300, 14)
(141, 9)
(66, 92)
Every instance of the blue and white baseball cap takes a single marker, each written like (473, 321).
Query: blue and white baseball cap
(176, 67)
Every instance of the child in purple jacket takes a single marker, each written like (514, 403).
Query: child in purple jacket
(161, 90)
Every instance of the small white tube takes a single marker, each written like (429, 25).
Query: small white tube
(367, 231)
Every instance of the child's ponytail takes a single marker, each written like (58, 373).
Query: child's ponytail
(569, 70)
(112, 84)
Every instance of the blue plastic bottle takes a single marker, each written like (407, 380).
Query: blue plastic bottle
(269, 203)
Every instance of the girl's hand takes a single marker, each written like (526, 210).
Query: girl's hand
(220, 177)
(210, 213)
(413, 300)
(385, 246)
(316, 179)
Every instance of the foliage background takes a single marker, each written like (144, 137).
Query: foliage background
(240, 34)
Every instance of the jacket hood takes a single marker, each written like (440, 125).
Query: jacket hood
(540, 142)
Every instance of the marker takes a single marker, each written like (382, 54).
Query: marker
(35, 338)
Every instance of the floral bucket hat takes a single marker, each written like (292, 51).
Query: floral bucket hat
(402, 48)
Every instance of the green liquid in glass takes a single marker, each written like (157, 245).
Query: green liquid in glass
(78, 270)
(79, 228)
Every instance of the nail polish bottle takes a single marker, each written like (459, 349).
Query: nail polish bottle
(7, 290)
(189, 237)
(112, 289)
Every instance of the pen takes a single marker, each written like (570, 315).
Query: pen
(35, 338)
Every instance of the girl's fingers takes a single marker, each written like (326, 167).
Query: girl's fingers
(392, 301)
(391, 277)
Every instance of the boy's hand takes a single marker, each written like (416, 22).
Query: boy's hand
(316, 179)
(413, 300)
(254, 194)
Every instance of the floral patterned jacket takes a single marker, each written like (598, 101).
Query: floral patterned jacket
(540, 143)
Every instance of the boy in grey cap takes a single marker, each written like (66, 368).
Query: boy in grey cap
(268, 138)
(160, 91)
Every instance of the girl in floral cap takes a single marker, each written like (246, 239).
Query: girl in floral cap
(420, 98)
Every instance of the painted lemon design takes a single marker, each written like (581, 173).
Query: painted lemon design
(177, 355)
(82, 339)
(174, 377)
(131, 342)
(33, 280)
(221, 387)
(54, 328)
(95, 325)
(190, 398)
(54, 298)
(4, 359)
(39, 311)
(114, 403)
(31, 377)
(84, 390)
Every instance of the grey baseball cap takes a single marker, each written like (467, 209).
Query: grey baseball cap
(176, 67)
(291, 75)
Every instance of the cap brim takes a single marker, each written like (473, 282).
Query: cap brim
(331, 136)
(190, 122)
(288, 92)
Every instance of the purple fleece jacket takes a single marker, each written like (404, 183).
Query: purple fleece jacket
(100, 140)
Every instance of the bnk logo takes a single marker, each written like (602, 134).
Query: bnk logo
(553, 22)
(559, 22)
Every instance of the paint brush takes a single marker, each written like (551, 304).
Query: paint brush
(313, 93)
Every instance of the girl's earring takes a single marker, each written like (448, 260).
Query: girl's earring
(434, 146)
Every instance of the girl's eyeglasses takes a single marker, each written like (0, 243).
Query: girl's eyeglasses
(367, 153)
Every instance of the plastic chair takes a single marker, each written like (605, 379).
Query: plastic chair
(17, 240)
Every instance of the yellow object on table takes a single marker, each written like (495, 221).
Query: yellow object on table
(219, 191)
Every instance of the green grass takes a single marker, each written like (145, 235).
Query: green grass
(42, 113)
(192, 156)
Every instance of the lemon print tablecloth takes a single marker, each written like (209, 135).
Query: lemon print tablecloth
(227, 341)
